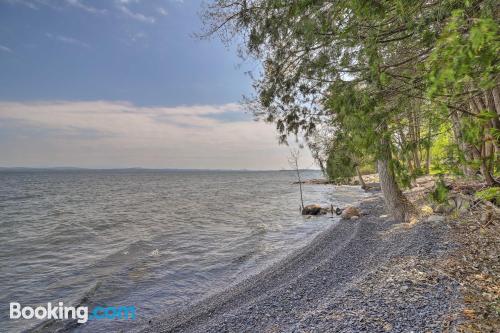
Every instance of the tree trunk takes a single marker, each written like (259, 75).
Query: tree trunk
(428, 150)
(478, 101)
(395, 201)
(360, 177)
(300, 186)
(496, 98)
(487, 147)
(415, 138)
(428, 161)
(410, 166)
(491, 105)
(487, 152)
(490, 181)
(416, 159)
(457, 131)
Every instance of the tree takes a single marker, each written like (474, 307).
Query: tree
(358, 66)
(463, 76)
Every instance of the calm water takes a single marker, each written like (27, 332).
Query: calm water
(156, 240)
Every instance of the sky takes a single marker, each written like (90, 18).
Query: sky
(124, 83)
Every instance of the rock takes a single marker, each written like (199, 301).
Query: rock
(311, 210)
(486, 214)
(459, 202)
(443, 209)
(435, 218)
(350, 212)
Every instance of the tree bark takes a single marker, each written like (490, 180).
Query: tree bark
(487, 146)
(415, 138)
(300, 186)
(464, 147)
(395, 201)
(428, 161)
(478, 101)
(428, 150)
(490, 181)
(496, 98)
(491, 105)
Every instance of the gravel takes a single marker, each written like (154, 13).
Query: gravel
(367, 275)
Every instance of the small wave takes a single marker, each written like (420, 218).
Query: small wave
(89, 294)
(243, 258)
(18, 198)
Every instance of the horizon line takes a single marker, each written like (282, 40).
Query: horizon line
(69, 168)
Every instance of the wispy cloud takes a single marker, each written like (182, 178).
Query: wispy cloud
(97, 133)
(136, 16)
(122, 6)
(37, 4)
(26, 3)
(5, 48)
(80, 5)
(162, 11)
(67, 40)
(137, 36)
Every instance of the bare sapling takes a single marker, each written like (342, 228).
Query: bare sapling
(294, 163)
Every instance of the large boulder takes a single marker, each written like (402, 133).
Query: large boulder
(312, 210)
(350, 212)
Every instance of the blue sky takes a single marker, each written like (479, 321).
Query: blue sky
(70, 66)
(140, 51)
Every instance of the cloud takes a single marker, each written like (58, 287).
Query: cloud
(5, 48)
(228, 116)
(111, 133)
(79, 4)
(67, 40)
(28, 4)
(137, 36)
(161, 11)
(136, 16)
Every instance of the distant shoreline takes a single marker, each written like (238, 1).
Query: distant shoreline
(147, 169)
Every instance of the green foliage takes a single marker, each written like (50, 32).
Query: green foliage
(490, 194)
(368, 168)
(355, 141)
(440, 193)
(354, 117)
(340, 166)
(472, 131)
(446, 155)
(403, 175)
(466, 52)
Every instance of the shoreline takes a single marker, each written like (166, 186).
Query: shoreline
(328, 283)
